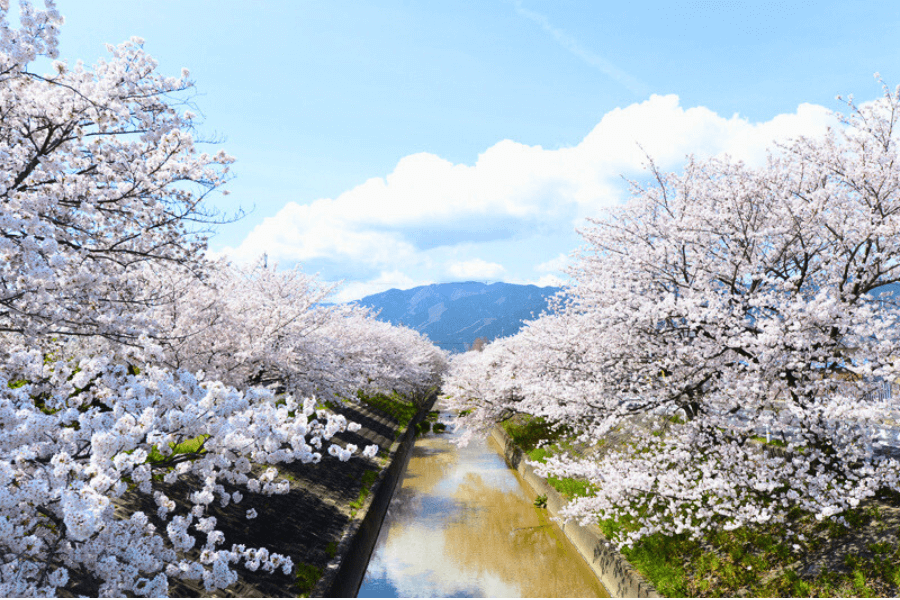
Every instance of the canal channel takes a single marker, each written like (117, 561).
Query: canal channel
(462, 524)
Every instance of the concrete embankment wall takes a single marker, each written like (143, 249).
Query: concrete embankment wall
(344, 573)
(614, 572)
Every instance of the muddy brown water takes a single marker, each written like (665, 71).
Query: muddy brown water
(462, 524)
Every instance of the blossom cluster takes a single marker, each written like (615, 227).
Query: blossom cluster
(128, 360)
(261, 325)
(719, 308)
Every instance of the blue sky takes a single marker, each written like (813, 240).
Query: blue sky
(397, 143)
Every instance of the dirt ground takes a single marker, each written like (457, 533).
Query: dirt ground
(855, 542)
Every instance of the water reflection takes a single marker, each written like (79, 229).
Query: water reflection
(461, 525)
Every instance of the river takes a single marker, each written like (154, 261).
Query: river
(462, 524)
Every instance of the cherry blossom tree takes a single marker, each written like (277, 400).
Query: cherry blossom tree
(244, 324)
(102, 177)
(378, 357)
(128, 360)
(741, 301)
(102, 430)
(260, 326)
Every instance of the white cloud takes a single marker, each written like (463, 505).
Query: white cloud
(477, 269)
(354, 290)
(666, 132)
(542, 281)
(550, 281)
(554, 265)
(401, 222)
(319, 230)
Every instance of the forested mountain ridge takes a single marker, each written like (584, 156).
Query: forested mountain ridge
(453, 315)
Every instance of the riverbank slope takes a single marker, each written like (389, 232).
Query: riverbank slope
(318, 523)
(826, 558)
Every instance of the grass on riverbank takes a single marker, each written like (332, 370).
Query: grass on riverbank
(430, 423)
(394, 405)
(759, 561)
(750, 561)
(539, 440)
(368, 479)
(306, 577)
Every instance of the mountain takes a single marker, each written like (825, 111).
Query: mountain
(453, 315)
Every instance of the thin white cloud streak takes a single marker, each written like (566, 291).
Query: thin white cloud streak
(571, 44)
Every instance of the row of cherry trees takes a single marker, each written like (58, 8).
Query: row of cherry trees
(740, 300)
(119, 340)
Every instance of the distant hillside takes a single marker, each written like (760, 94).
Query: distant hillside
(453, 315)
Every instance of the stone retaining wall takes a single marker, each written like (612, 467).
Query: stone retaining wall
(615, 573)
(344, 573)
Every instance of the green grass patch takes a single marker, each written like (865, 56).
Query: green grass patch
(754, 561)
(863, 578)
(539, 454)
(651, 559)
(186, 447)
(528, 432)
(680, 567)
(758, 561)
(328, 405)
(772, 441)
(331, 549)
(532, 432)
(571, 488)
(306, 577)
(394, 405)
(431, 424)
(368, 479)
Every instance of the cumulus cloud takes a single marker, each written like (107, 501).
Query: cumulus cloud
(395, 226)
(354, 290)
(666, 132)
(548, 280)
(299, 233)
(554, 265)
(477, 269)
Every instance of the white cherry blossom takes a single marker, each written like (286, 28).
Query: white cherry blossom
(746, 303)
(129, 360)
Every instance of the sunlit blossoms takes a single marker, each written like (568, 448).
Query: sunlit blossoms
(747, 303)
(259, 325)
(128, 361)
